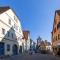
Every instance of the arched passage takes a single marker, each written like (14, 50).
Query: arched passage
(20, 49)
(15, 49)
(2, 48)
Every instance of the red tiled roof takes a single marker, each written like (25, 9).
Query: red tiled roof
(25, 33)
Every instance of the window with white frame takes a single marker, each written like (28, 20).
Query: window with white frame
(10, 21)
(3, 31)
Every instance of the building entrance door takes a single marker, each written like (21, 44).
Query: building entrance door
(58, 51)
(15, 50)
(20, 49)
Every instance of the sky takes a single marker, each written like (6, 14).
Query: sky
(37, 16)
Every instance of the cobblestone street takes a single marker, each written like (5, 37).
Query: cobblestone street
(32, 57)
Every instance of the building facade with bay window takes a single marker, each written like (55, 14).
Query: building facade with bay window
(26, 40)
(10, 32)
(56, 33)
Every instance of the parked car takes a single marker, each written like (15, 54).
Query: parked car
(31, 51)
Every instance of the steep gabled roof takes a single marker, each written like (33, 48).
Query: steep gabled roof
(58, 12)
(3, 9)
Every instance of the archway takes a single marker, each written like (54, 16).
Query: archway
(15, 49)
(1, 48)
(20, 49)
